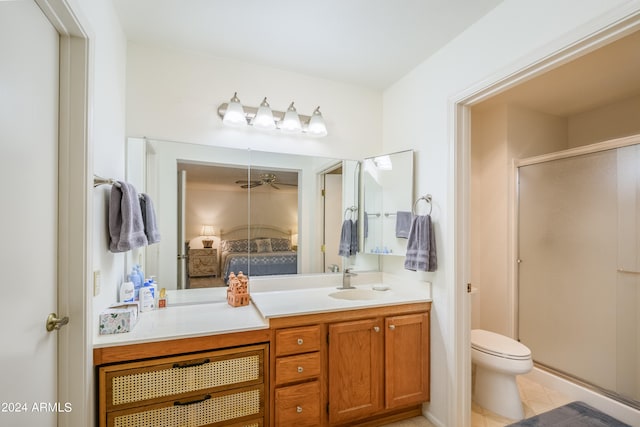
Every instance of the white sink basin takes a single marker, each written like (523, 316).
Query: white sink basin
(358, 294)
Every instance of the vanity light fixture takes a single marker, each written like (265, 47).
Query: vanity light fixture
(235, 114)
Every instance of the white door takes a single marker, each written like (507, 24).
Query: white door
(28, 171)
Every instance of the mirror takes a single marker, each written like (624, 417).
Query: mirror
(244, 195)
(387, 183)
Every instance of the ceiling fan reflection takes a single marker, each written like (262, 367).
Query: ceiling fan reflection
(265, 179)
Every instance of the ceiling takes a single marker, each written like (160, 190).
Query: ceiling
(604, 76)
(223, 178)
(371, 43)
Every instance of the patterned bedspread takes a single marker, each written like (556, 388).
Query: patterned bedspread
(259, 263)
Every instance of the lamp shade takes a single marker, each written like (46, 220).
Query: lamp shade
(235, 115)
(207, 230)
(264, 117)
(317, 126)
(291, 122)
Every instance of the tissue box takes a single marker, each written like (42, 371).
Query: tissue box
(119, 318)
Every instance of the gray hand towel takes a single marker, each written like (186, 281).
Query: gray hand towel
(126, 227)
(344, 248)
(403, 224)
(421, 247)
(149, 219)
(354, 238)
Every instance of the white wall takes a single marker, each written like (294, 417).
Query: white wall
(417, 115)
(174, 96)
(106, 133)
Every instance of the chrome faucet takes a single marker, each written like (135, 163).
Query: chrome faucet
(346, 279)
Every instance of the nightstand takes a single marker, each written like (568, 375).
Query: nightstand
(203, 262)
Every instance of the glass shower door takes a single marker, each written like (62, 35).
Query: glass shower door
(578, 290)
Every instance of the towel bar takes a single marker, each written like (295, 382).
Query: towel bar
(427, 199)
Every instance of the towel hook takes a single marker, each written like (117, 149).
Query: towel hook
(350, 210)
(427, 199)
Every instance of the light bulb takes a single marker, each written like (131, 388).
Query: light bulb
(291, 122)
(234, 115)
(264, 117)
(317, 126)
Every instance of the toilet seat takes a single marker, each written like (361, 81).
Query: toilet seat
(498, 345)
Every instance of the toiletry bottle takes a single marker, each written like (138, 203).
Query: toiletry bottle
(162, 298)
(137, 284)
(147, 302)
(127, 292)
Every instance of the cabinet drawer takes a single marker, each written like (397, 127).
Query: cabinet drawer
(202, 410)
(298, 405)
(297, 340)
(138, 383)
(296, 368)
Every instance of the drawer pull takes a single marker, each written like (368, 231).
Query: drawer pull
(191, 402)
(376, 328)
(300, 369)
(190, 364)
(300, 341)
(392, 327)
(299, 409)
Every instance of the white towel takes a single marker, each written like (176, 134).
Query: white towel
(421, 246)
(126, 227)
(149, 219)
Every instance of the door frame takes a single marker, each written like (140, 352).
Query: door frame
(605, 29)
(75, 178)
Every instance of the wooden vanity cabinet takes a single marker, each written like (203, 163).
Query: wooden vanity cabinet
(225, 387)
(370, 366)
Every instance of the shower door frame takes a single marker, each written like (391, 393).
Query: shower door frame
(611, 144)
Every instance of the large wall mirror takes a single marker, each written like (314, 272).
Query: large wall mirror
(222, 209)
(387, 183)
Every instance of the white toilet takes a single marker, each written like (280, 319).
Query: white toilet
(498, 359)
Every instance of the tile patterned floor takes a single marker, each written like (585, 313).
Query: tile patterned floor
(535, 398)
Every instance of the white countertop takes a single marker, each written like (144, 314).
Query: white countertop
(187, 321)
(317, 300)
(187, 316)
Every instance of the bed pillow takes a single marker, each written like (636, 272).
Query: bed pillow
(235, 245)
(264, 245)
(280, 245)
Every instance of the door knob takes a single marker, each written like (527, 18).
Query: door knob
(54, 322)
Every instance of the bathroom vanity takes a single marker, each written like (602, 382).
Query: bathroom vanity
(294, 357)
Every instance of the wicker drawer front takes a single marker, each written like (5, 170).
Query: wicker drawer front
(181, 376)
(298, 405)
(297, 368)
(298, 340)
(203, 411)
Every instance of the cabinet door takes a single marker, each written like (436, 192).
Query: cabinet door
(406, 360)
(355, 369)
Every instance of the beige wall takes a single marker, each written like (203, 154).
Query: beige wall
(611, 121)
(226, 209)
(499, 135)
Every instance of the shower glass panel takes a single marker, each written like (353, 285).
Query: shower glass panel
(579, 258)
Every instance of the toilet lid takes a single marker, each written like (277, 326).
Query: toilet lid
(498, 345)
